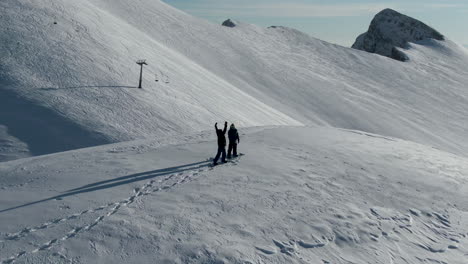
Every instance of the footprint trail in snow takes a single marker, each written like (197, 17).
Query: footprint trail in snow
(147, 188)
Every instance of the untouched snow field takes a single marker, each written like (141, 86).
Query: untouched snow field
(298, 195)
(69, 67)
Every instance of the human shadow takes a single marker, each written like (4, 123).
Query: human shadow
(101, 185)
(89, 86)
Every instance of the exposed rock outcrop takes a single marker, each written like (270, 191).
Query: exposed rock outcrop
(390, 30)
(230, 23)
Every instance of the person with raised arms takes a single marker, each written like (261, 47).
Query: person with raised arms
(221, 144)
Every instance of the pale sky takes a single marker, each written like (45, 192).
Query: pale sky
(336, 21)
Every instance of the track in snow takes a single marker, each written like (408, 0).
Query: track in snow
(149, 187)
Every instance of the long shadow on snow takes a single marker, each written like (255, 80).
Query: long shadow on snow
(101, 185)
(90, 86)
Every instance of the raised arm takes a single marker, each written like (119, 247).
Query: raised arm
(225, 128)
(216, 126)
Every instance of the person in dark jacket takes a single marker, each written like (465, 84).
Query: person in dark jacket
(233, 140)
(221, 144)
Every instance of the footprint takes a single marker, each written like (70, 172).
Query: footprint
(267, 250)
(430, 248)
(415, 212)
(145, 189)
(288, 250)
(310, 245)
(442, 219)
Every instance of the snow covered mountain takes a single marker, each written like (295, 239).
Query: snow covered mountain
(68, 73)
(90, 77)
(331, 171)
(390, 30)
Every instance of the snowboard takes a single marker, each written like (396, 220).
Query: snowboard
(231, 160)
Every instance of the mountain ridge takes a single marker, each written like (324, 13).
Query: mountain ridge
(248, 75)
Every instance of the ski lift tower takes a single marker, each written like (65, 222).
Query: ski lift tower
(141, 63)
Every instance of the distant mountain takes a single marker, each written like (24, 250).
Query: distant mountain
(390, 30)
(229, 23)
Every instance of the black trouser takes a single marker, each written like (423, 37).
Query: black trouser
(232, 148)
(221, 150)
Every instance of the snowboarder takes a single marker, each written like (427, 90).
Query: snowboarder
(221, 144)
(233, 140)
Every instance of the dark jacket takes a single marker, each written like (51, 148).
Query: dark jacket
(233, 136)
(221, 136)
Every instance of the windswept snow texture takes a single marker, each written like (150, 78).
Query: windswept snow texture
(298, 195)
(74, 62)
(390, 30)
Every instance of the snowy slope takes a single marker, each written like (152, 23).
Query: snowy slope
(298, 195)
(317, 82)
(79, 76)
(83, 68)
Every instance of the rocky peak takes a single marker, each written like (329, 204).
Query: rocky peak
(390, 30)
(230, 23)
